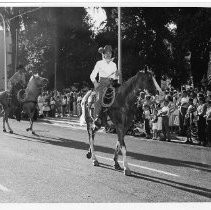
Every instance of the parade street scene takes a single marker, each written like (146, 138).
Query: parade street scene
(105, 104)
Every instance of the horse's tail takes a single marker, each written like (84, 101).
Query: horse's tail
(21, 95)
(82, 119)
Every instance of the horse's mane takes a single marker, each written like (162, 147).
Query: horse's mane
(127, 91)
(127, 86)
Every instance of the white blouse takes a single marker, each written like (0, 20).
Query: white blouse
(107, 70)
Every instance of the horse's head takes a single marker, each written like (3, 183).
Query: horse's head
(38, 82)
(147, 81)
(34, 87)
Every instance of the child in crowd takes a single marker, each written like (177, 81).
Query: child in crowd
(189, 123)
(208, 123)
(46, 107)
(64, 105)
(155, 124)
(53, 107)
(146, 110)
(79, 99)
(165, 121)
(58, 105)
(159, 122)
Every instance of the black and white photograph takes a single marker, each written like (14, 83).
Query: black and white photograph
(105, 103)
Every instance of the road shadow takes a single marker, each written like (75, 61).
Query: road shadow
(63, 142)
(178, 185)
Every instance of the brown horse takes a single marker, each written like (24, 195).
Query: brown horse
(10, 104)
(122, 113)
(13, 101)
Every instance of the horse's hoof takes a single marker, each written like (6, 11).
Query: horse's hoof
(89, 155)
(117, 167)
(33, 132)
(27, 129)
(127, 172)
(11, 132)
(4, 131)
(95, 163)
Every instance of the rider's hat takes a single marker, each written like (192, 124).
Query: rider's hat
(107, 48)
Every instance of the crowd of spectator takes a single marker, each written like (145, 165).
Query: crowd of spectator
(61, 104)
(185, 112)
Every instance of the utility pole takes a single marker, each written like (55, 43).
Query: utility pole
(5, 54)
(119, 46)
(16, 48)
(55, 63)
(55, 74)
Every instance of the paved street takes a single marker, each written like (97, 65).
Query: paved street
(51, 166)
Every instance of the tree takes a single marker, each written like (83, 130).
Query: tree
(148, 39)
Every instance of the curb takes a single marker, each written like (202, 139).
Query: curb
(74, 123)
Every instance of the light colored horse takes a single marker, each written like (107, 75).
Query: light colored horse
(29, 97)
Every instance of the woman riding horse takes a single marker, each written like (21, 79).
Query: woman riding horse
(29, 102)
(122, 113)
(107, 70)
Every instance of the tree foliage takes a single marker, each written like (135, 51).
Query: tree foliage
(161, 38)
(148, 39)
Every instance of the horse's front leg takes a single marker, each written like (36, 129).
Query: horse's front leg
(89, 153)
(11, 131)
(31, 125)
(5, 119)
(31, 115)
(127, 171)
(94, 159)
(116, 155)
(120, 133)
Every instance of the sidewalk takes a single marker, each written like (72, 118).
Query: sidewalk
(74, 123)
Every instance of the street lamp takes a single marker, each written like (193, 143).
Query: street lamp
(5, 54)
